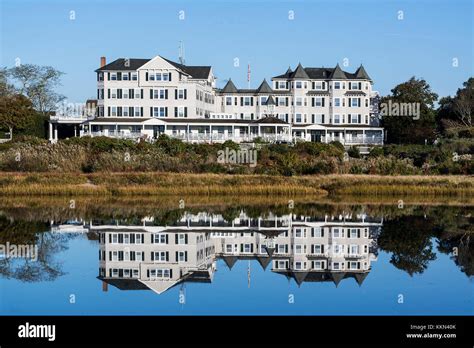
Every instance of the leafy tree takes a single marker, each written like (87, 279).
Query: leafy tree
(38, 83)
(405, 129)
(16, 112)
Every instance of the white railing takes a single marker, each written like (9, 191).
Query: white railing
(370, 140)
(113, 134)
(69, 117)
(224, 137)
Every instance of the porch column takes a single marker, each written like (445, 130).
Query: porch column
(248, 133)
(344, 136)
(187, 132)
(259, 130)
(363, 136)
(56, 132)
(326, 136)
(233, 132)
(50, 131)
(75, 131)
(116, 130)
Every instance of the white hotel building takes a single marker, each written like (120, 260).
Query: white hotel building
(143, 98)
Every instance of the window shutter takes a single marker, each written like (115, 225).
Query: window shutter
(287, 86)
(185, 111)
(119, 93)
(312, 248)
(130, 111)
(148, 273)
(358, 104)
(175, 94)
(350, 102)
(177, 256)
(131, 93)
(151, 111)
(287, 99)
(313, 102)
(185, 94)
(167, 240)
(322, 118)
(359, 118)
(141, 93)
(176, 238)
(360, 85)
(110, 238)
(151, 94)
(152, 256)
(185, 239)
(141, 114)
(251, 248)
(186, 256)
(132, 239)
(108, 76)
(152, 238)
(146, 76)
(167, 256)
(110, 256)
(171, 273)
(349, 118)
(108, 93)
(350, 86)
(322, 248)
(251, 101)
(166, 94)
(170, 76)
(166, 111)
(175, 111)
(322, 100)
(286, 248)
(143, 238)
(241, 248)
(108, 111)
(241, 101)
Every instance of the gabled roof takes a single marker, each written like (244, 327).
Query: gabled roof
(264, 261)
(337, 277)
(270, 101)
(264, 87)
(230, 261)
(229, 87)
(338, 74)
(300, 73)
(124, 64)
(300, 277)
(362, 74)
(196, 72)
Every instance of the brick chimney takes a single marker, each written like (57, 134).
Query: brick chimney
(103, 62)
(105, 286)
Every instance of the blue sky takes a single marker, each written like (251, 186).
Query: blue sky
(424, 43)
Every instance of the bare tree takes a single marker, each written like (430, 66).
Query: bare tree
(38, 83)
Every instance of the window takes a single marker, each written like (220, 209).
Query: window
(151, 77)
(263, 100)
(125, 113)
(125, 93)
(228, 248)
(134, 76)
(160, 238)
(298, 233)
(318, 118)
(113, 76)
(337, 102)
(298, 84)
(135, 273)
(165, 76)
(336, 266)
(182, 257)
(318, 85)
(318, 265)
(247, 101)
(160, 273)
(298, 248)
(281, 85)
(337, 85)
(282, 264)
(159, 111)
(298, 118)
(181, 111)
(298, 265)
(354, 85)
(354, 250)
(281, 249)
(181, 94)
(318, 101)
(136, 111)
(354, 102)
(138, 238)
(160, 94)
(317, 232)
(228, 100)
(160, 256)
(299, 101)
(137, 93)
(353, 233)
(125, 76)
(181, 239)
(317, 249)
(114, 111)
(113, 93)
(336, 233)
(353, 265)
(247, 248)
(114, 238)
(281, 101)
(354, 118)
(337, 119)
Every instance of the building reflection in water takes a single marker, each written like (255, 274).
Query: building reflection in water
(306, 249)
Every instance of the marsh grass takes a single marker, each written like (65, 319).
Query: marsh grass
(163, 184)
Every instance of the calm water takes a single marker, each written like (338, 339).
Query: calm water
(331, 259)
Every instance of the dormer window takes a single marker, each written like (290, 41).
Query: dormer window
(281, 85)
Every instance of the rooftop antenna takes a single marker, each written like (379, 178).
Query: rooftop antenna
(181, 53)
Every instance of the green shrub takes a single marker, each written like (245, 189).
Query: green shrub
(353, 152)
